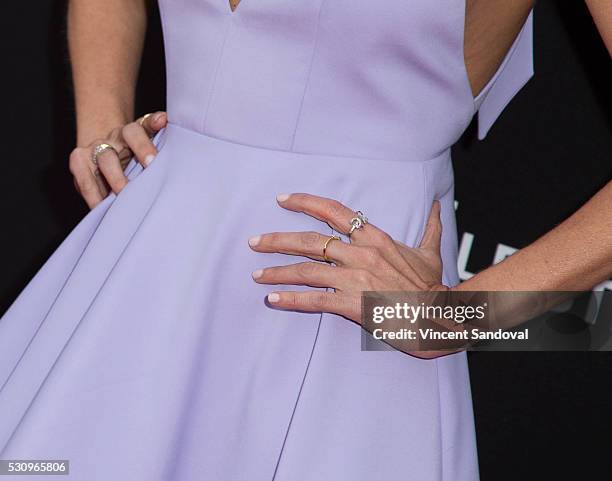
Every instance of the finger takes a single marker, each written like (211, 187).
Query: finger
(313, 274)
(154, 122)
(311, 244)
(110, 166)
(102, 184)
(330, 211)
(139, 142)
(333, 212)
(84, 179)
(307, 244)
(433, 231)
(346, 305)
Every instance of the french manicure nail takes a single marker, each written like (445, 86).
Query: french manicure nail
(257, 274)
(282, 197)
(253, 241)
(274, 297)
(148, 159)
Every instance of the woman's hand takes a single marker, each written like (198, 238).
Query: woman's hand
(94, 182)
(373, 261)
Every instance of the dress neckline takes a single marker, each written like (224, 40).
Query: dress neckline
(233, 5)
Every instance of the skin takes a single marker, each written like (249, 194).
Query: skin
(601, 10)
(573, 256)
(491, 27)
(105, 63)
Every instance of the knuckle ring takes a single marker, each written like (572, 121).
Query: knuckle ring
(329, 239)
(357, 222)
(143, 119)
(99, 150)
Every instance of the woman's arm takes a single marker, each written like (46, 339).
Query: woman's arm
(574, 256)
(106, 39)
(601, 11)
(577, 254)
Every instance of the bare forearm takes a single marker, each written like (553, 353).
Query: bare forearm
(601, 11)
(106, 40)
(574, 256)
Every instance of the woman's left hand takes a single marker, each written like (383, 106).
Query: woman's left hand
(372, 261)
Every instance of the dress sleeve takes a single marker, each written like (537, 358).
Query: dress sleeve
(514, 72)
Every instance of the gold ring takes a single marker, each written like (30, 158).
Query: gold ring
(331, 238)
(143, 119)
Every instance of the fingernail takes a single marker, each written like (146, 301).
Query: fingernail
(257, 274)
(148, 159)
(253, 241)
(274, 297)
(282, 197)
(158, 117)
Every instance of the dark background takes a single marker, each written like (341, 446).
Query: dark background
(546, 415)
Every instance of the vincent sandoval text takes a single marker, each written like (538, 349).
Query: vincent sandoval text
(434, 335)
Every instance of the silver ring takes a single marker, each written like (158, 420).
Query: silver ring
(99, 150)
(357, 222)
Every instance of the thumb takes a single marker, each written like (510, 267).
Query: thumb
(159, 121)
(154, 122)
(433, 230)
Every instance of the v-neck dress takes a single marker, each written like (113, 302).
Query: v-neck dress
(142, 350)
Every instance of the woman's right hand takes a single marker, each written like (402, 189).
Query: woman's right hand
(94, 182)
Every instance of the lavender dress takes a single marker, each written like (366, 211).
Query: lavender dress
(143, 350)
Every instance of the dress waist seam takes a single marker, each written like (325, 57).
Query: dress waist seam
(305, 155)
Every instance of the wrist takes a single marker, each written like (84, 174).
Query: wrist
(97, 120)
(97, 128)
(472, 284)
